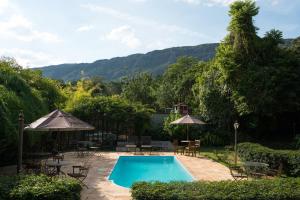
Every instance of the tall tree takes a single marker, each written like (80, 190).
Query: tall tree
(140, 88)
(177, 81)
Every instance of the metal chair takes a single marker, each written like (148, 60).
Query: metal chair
(80, 173)
(237, 173)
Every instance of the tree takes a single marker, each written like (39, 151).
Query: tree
(140, 88)
(26, 90)
(177, 81)
(252, 79)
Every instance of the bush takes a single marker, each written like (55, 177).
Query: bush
(256, 152)
(40, 187)
(283, 189)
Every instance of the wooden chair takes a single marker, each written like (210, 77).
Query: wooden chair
(197, 145)
(177, 148)
(191, 149)
(237, 173)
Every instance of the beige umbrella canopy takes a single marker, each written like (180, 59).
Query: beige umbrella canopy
(187, 120)
(58, 121)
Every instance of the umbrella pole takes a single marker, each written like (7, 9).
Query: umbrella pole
(187, 132)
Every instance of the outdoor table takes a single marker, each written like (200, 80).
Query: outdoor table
(58, 157)
(256, 169)
(57, 164)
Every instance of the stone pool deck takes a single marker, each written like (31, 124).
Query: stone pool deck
(100, 188)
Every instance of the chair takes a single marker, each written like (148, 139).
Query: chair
(197, 145)
(80, 173)
(237, 173)
(191, 149)
(131, 143)
(48, 170)
(177, 148)
(146, 143)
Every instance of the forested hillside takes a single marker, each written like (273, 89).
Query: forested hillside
(154, 62)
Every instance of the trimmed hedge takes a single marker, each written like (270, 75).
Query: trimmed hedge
(256, 152)
(277, 189)
(39, 187)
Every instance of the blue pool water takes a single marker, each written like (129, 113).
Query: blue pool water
(130, 169)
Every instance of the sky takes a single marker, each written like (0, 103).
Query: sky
(44, 32)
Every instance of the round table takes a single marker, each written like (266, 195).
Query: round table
(185, 141)
(57, 164)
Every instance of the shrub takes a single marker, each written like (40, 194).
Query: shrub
(256, 152)
(40, 187)
(283, 189)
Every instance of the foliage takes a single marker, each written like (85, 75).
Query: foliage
(252, 79)
(38, 187)
(111, 113)
(297, 141)
(176, 131)
(211, 138)
(256, 152)
(27, 90)
(140, 88)
(284, 189)
(177, 81)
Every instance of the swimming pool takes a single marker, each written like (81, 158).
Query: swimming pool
(130, 169)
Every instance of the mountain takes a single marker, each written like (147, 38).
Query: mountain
(154, 62)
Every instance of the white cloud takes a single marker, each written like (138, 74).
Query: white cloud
(145, 22)
(126, 35)
(3, 5)
(16, 26)
(29, 58)
(85, 28)
(20, 28)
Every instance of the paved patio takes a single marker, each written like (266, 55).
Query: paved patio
(100, 188)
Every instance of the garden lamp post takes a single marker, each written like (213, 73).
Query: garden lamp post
(20, 143)
(236, 126)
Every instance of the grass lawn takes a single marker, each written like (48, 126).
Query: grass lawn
(223, 155)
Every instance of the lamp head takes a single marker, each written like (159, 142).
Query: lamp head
(236, 125)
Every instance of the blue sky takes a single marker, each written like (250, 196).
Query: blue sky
(38, 33)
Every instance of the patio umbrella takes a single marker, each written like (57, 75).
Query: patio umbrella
(58, 121)
(187, 120)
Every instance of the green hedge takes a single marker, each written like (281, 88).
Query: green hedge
(256, 152)
(277, 189)
(40, 187)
